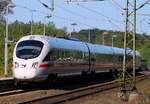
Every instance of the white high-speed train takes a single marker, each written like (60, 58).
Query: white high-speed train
(38, 57)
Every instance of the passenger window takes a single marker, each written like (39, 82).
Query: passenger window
(56, 55)
(62, 55)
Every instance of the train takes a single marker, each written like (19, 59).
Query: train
(37, 58)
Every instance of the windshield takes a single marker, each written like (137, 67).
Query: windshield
(29, 49)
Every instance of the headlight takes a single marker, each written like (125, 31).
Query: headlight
(16, 65)
(35, 65)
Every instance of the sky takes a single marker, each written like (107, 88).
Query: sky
(107, 14)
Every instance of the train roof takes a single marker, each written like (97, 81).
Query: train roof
(60, 43)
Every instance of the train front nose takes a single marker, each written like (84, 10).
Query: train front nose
(25, 70)
(26, 58)
(25, 73)
(28, 71)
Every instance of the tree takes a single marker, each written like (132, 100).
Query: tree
(3, 5)
(145, 52)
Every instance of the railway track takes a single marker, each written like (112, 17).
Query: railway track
(7, 88)
(59, 97)
(6, 93)
(17, 91)
(77, 93)
(6, 84)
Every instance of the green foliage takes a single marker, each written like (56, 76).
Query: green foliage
(97, 37)
(145, 51)
(2, 28)
(3, 5)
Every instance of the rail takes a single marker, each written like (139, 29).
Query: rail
(6, 84)
(74, 94)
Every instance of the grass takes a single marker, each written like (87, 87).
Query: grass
(2, 72)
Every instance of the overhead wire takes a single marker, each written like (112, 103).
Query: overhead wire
(76, 14)
(141, 6)
(82, 0)
(109, 19)
(141, 14)
(71, 12)
(96, 12)
(63, 18)
(118, 5)
(25, 8)
(46, 6)
(59, 17)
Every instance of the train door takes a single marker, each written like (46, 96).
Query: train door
(91, 60)
(89, 57)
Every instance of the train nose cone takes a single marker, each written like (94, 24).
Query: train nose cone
(24, 73)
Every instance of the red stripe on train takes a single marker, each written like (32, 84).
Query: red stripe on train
(44, 65)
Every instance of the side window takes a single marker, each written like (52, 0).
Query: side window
(55, 55)
(77, 57)
(62, 55)
(93, 58)
(100, 58)
(77, 54)
(85, 56)
(58, 55)
(47, 58)
(104, 58)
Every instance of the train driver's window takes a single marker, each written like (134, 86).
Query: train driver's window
(47, 57)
